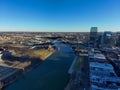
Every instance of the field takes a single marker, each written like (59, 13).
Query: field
(42, 54)
(78, 62)
(33, 53)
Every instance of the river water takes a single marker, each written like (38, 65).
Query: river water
(52, 74)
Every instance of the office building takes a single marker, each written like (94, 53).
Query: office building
(118, 39)
(108, 40)
(93, 33)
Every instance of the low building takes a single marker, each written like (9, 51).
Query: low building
(103, 77)
(102, 74)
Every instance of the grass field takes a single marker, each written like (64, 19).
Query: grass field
(41, 53)
(78, 63)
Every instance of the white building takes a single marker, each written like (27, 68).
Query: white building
(103, 77)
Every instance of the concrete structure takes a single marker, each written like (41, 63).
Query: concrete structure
(102, 74)
(118, 39)
(108, 40)
(93, 33)
(93, 37)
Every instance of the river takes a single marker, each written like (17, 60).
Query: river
(52, 74)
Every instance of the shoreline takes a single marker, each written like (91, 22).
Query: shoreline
(72, 65)
(21, 73)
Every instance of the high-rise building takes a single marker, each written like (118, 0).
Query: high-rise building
(118, 39)
(93, 37)
(107, 39)
(93, 33)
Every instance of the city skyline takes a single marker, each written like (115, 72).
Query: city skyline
(59, 16)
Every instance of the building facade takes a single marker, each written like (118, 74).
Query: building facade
(93, 33)
(93, 37)
(108, 40)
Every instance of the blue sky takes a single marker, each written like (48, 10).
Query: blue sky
(59, 15)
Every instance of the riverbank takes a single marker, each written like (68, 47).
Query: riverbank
(52, 74)
(71, 69)
(79, 74)
(20, 72)
(75, 74)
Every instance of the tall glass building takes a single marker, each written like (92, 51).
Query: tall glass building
(118, 39)
(93, 33)
(108, 39)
